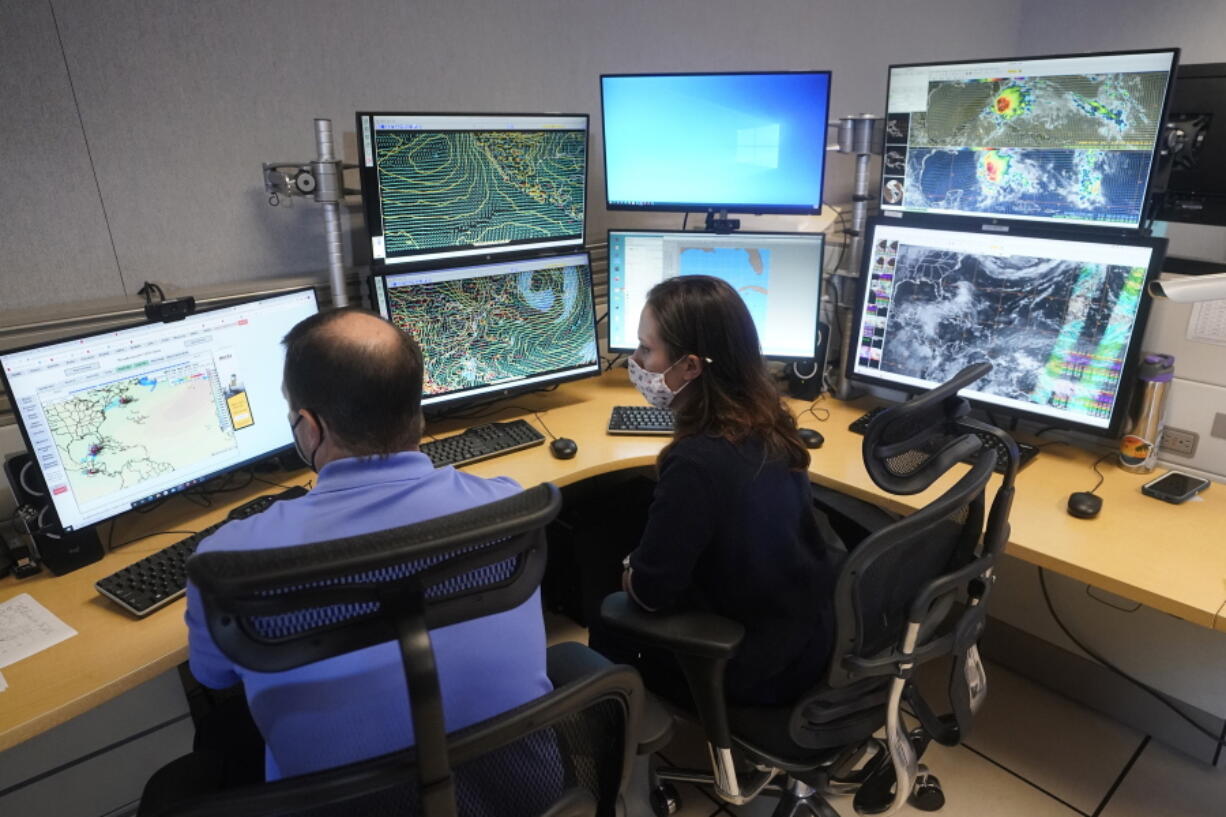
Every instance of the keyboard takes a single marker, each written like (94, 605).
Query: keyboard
(482, 442)
(641, 420)
(160, 578)
(1026, 452)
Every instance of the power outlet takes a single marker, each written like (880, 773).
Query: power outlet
(1178, 441)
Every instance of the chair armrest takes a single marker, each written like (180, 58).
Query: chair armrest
(572, 661)
(704, 635)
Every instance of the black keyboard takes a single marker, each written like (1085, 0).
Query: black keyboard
(640, 420)
(1026, 452)
(160, 578)
(482, 442)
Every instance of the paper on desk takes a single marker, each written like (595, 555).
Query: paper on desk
(1208, 322)
(3, 684)
(26, 628)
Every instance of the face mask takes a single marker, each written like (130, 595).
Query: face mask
(309, 460)
(652, 386)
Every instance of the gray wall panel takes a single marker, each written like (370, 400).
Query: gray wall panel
(53, 239)
(183, 100)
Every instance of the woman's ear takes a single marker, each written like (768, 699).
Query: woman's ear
(691, 366)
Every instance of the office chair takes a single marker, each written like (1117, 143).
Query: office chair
(566, 754)
(895, 604)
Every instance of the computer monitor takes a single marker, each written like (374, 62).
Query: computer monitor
(777, 274)
(471, 186)
(121, 418)
(1068, 140)
(744, 142)
(1059, 319)
(1195, 190)
(490, 330)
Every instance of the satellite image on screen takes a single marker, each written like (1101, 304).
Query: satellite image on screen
(445, 189)
(1063, 147)
(481, 331)
(1055, 331)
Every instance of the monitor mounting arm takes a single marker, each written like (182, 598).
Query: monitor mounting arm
(323, 180)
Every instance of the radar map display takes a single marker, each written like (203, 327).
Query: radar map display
(1055, 331)
(1075, 147)
(486, 330)
(114, 436)
(747, 270)
(447, 189)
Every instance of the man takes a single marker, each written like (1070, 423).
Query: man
(353, 383)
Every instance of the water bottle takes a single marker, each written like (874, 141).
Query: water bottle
(1139, 447)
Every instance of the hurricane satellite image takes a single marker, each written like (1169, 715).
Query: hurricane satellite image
(480, 331)
(1073, 147)
(747, 270)
(443, 189)
(118, 435)
(1055, 331)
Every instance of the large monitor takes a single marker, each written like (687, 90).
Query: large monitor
(1060, 320)
(118, 419)
(495, 329)
(471, 186)
(1196, 138)
(777, 274)
(1065, 140)
(747, 142)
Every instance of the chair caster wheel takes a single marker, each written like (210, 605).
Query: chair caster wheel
(665, 800)
(927, 794)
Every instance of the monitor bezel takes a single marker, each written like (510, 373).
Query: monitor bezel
(1119, 410)
(25, 434)
(731, 207)
(368, 181)
(433, 406)
(950, 220)
(821, 260)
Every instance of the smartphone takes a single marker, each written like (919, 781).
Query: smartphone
(1174, 487)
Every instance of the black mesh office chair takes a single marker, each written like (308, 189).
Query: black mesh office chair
(896, 607)
(565, 754)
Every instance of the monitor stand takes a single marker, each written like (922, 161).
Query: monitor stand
(720, 223)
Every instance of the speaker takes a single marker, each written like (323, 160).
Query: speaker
(804, 377)
(61, 551)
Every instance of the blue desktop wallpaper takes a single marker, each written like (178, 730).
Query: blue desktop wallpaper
(712, 140)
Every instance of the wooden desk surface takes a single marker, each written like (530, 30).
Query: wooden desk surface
(1170, 558)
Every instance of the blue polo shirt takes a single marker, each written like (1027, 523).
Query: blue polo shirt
(355, 706)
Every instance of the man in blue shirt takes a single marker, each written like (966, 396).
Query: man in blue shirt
(353, 383)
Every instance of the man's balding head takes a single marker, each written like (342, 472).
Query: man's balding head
(359, 375)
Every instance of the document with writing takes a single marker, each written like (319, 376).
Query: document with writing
(26, 628)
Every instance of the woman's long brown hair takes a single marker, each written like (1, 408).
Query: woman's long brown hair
(733, 398)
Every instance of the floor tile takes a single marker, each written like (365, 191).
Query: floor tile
(1072, 752)
(560, 628)
(973, 787)
(1164, 781)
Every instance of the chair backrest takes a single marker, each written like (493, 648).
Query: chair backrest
(920, 563)
(566, 754)
(277, 609)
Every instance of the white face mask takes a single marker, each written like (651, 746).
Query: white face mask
(651, 384)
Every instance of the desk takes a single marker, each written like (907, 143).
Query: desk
(1169, 558)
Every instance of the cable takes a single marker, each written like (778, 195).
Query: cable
(541, 420)
(1101, 475)
(684, 221)
(602, 318)
(813, 409)
(614, 361)
(1160, 697)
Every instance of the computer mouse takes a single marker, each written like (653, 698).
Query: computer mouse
(811, 438)
(1084, 505)
(563, 448)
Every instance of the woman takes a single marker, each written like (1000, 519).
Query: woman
(731, 527)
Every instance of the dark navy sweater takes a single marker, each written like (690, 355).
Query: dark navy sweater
(731, 532)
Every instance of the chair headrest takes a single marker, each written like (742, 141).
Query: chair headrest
(910, 446)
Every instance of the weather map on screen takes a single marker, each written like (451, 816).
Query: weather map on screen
(447, 186)
(1068, 139)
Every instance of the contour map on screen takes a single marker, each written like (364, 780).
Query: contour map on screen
(112, 437)
(1055, 331)
(442, 189)
(1073, 147)
(483, 330)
